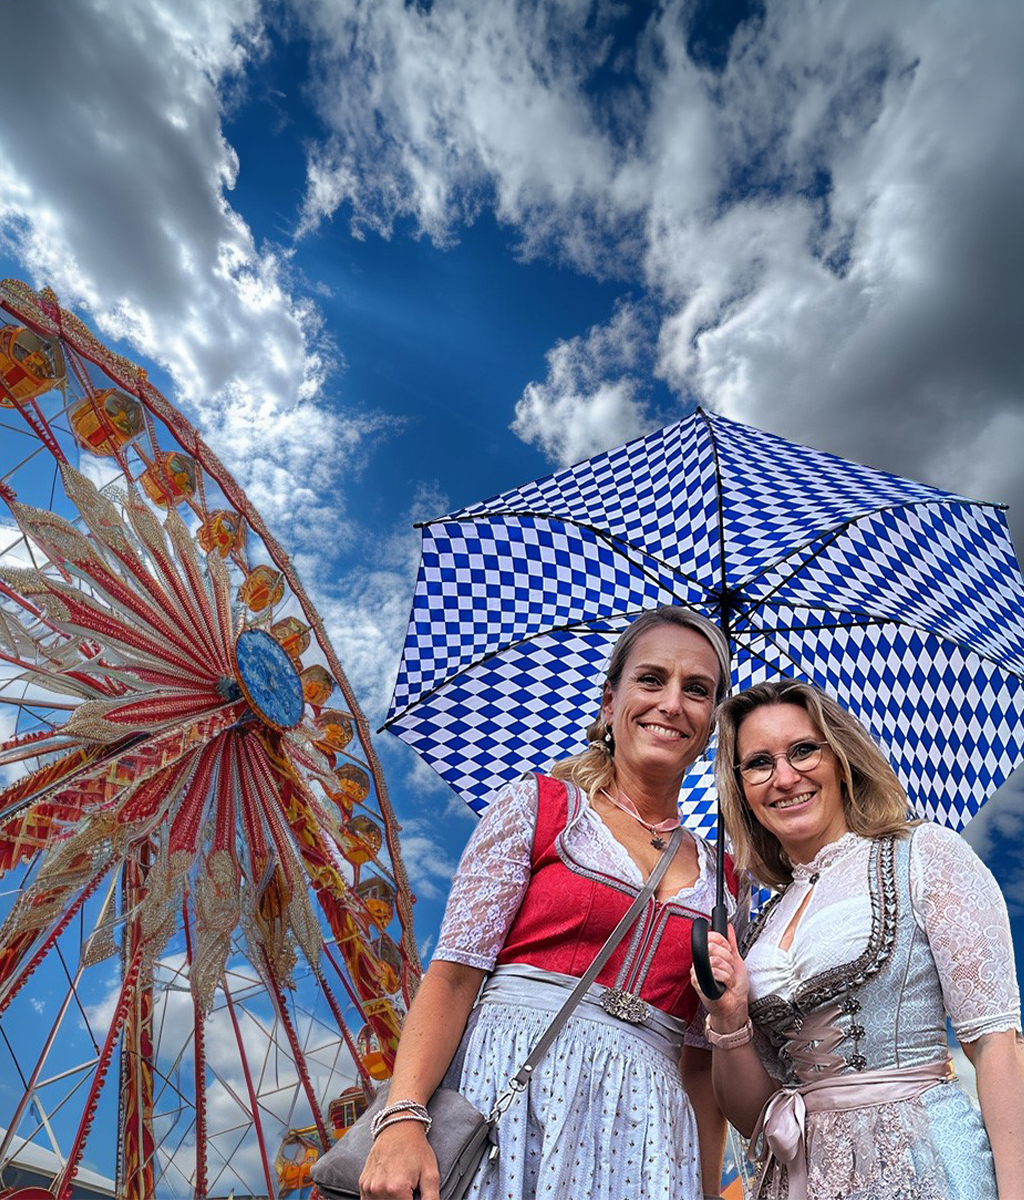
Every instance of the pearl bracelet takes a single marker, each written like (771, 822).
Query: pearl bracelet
(726, 1041)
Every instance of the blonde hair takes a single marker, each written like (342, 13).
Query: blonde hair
(874, 801)
(594, 769)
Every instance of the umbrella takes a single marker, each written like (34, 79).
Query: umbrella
(904, 602)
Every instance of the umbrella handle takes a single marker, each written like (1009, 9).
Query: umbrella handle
(709, 985)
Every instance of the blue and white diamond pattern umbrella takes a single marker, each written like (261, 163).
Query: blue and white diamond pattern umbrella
(903, 601)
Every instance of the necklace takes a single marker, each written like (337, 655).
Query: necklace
(631, 810)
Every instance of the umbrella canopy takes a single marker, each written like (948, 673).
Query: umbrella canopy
(904, 602)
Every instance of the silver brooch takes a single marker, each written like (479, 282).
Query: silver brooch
(625, 1006)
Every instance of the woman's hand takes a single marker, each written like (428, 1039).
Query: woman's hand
(729, 1011)
(400, 1165)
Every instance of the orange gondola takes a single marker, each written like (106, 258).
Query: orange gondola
(335, 728)
(346, 1109)
(379, 897)
(353, 787)
(317, 685)
(377, 1036)
(299, 1150)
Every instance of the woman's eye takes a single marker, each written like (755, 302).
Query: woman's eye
(647, 677)
(757, 763)
(801, 751)
(698, 689)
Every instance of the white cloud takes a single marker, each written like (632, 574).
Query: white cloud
(827, 227)
(429, 864)
(996, 831)
(116, 192)
(594, 396)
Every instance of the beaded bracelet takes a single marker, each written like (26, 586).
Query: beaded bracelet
(378, 1127)
(412, 1109)
(726, 1041)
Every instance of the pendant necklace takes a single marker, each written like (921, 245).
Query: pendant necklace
(631, 810)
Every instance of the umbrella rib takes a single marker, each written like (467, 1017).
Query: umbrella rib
(761, 658)
(723, 612)
(504, 649)
(841, 529)
(618, 543)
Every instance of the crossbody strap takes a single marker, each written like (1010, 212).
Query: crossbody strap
(521, 1078)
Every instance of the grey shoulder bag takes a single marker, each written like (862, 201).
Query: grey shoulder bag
(461, 1137)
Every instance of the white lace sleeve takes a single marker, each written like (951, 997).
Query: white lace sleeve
(959, 906)
(491, 880)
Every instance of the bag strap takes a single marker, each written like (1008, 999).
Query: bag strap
(521, 1079)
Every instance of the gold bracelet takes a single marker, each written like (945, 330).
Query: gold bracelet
(726, 1041)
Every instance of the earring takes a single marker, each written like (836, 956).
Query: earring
(608, 741)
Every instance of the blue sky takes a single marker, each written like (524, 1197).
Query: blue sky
(393, 258)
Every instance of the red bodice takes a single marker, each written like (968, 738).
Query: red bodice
(569, 910)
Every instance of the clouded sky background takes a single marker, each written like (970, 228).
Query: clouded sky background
(393, 258)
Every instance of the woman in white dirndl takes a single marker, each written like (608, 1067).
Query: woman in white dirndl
(618, 1109)
(881, 928)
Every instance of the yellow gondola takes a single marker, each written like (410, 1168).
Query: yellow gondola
(103, 423)
(170, 478)
(222, 531)
(292, 635)
(262, 588)
(361, 840)
(29, 367)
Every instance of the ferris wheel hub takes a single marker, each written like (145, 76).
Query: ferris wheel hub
(268, 679)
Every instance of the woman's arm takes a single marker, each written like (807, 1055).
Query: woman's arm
(401, 1162)
(695, 1065)
(741, 1083)
(998, 1060)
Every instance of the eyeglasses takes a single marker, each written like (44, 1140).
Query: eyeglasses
(801, 756)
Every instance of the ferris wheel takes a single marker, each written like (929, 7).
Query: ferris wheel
(206, 945)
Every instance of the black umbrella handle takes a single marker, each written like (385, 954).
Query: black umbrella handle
(709, 985)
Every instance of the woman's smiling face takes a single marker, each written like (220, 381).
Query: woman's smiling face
(660, 710)
(804, 809)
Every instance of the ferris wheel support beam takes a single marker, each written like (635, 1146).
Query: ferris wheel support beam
(64, 1183)
(33, 1080)
(199, 1059)
(332, 1004)
(253, 1100)
(299, 1058)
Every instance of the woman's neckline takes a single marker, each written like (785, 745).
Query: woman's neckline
(827, 856)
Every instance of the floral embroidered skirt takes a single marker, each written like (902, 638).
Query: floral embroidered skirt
(605, 1116)
(933, 1147)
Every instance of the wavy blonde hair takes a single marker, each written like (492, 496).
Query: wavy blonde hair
(594, 769)
(874, 800)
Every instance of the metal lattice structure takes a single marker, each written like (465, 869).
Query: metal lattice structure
(206, 944)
